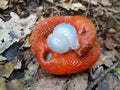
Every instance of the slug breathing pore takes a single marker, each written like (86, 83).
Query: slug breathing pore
(63, 38)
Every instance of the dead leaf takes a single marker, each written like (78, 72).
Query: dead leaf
(50, 1)
(79, 82)
(2, 58)
(66, 6)
(3, 4)
(105, 2)
(94, 2)
(14, 30)
(78, 6)
(2, 84)
(108, 62)
(112, 31)
(70, 6)
(46, 83)
(32, 68)
(109, 42)
(62, 1)
(97, 72)
(106, 58)
(7, 69)
(15, 85)
(27, 55)
(18, 65)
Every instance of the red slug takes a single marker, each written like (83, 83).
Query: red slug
(69, 42)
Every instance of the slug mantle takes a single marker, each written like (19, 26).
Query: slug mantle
(63, 39)
(76, 49)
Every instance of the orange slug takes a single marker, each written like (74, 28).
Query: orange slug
(69, 41)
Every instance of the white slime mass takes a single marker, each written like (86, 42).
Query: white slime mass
(63, 38)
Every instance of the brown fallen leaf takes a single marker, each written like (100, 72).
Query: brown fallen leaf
(78, 6)
(112, 31)
(105, 2)
(69, 5)
(66, 6)
(7, 69)
(27, 55)
(109, 42)
(79, 82)
(106, 58)
(32, 68)
(2, 84)
(47, 83)
(94, 2)
(3, 4)
(15, 85)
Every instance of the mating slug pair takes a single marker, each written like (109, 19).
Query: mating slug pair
(65, 44)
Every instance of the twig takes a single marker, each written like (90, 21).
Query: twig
(88, 7)
(110, 14)
(90, 87)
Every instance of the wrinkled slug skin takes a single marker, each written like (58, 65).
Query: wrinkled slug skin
(68, 63)
(82, 24)
(73, 61)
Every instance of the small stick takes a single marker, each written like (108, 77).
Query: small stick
(110, 14)
(88, 7)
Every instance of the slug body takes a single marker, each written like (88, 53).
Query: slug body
(65, 44)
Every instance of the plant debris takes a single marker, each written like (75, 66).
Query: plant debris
(19, 70)
(7, 69)
(14, 30)
(3, 4)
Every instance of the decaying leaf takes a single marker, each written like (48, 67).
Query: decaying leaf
(112, 31)
(80, 82)
(77, 6)
(2, 84)
(32, 68)
(109, 42)
(105, 2)
(94, 2)
(66, 6)
(15, 85)
(46, 83)
(69, 5)
(27, 55)
(26, 43)
(106, 58)
(18, 65)
(97, 72)
(14, 29)
(7, 69)
(50, 1)
(3, 4)
(62, 1)
(2, 58)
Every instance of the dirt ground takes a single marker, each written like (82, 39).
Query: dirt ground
(19, 69)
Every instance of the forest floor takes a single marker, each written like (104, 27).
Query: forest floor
(19, 70)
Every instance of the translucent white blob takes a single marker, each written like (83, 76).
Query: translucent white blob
(63, 38)
(58, 43)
